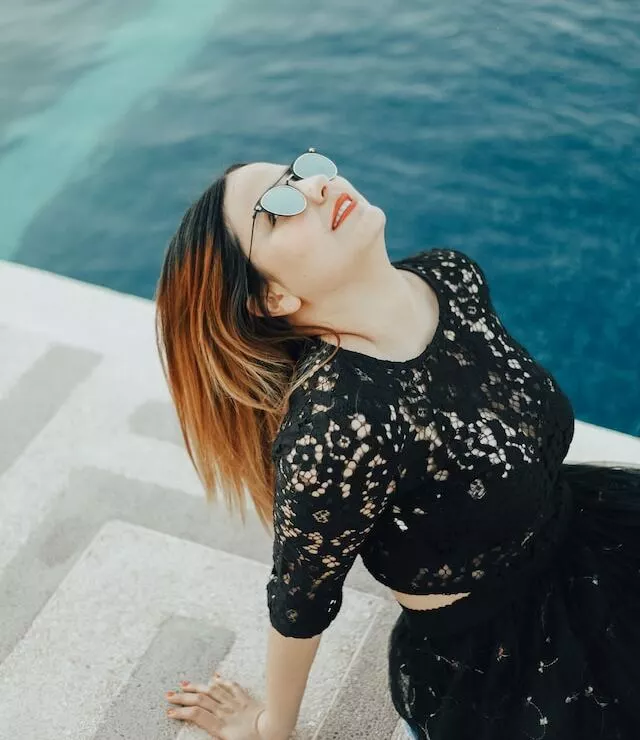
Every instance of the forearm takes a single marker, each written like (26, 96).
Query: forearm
(289, 660)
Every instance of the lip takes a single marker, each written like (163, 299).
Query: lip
(341, 199)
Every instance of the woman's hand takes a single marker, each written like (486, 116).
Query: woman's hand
(223, 708)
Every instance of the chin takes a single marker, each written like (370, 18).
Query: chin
(377, 217)
(376, 213)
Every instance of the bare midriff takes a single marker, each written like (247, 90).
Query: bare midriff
(427, 601)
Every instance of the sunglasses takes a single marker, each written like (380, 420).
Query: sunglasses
(285, 200)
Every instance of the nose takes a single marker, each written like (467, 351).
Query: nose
(315, 187)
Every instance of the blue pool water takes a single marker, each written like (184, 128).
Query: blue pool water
(507, 130)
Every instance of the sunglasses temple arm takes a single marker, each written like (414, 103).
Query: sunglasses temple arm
(252, 230)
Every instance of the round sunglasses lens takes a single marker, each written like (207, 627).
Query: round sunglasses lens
(310, 164)
(283, 200)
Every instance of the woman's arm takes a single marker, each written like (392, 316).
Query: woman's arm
(289, 660)
(334, 477)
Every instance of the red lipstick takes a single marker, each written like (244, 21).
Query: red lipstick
(342, 198)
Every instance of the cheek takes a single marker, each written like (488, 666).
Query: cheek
(302, 262)
(301, 245)
(306, 250)
(286, 259)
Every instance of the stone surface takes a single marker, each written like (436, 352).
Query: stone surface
(117, 579)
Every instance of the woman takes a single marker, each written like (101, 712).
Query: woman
(382, 409)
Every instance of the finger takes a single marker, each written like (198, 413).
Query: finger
(198, 716)
(196, 688)
(233, 686)
(200, 699)
(211, 688)
(217, 680)
(221, 683)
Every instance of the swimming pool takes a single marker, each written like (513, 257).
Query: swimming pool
(510, 132)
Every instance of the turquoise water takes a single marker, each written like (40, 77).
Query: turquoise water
(508, 131)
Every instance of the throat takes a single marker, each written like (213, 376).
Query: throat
(418, 330)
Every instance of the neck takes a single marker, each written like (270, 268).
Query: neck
(377, 313)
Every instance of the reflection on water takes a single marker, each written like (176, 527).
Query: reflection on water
(507, 131)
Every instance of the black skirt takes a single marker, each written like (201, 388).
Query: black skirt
(556, 656)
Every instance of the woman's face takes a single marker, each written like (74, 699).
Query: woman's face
(303, 258)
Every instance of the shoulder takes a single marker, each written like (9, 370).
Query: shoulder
(328, 410)
(441, 256)
(449, 265)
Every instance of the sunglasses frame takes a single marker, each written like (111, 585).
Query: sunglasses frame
(259, 208)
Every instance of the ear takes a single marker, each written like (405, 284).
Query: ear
(278, 304)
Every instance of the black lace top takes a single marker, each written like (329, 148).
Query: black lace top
(439, 470)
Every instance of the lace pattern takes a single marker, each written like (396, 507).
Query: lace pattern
(439, 471)
(332, 483)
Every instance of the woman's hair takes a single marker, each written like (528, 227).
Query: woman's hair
(230, 373)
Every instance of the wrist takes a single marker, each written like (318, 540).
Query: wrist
(268, 729)
(256, 723)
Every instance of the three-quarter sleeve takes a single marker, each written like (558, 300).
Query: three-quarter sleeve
(335, 472)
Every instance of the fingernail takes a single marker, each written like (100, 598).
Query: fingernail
(184, 683)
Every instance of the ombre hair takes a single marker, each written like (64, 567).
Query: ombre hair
(230, 372)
